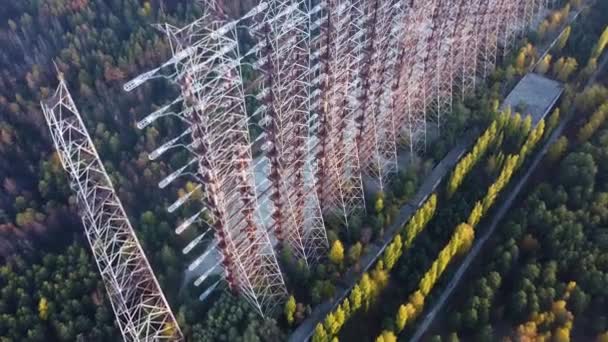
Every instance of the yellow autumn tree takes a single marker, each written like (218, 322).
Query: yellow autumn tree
(405, 314)
(601, 44)
(392, 252)
(336, 254)
(43, 309)
(402, 317)
(544, 65)
(596, 120)
(520, 62)
(476, 214)
(553, 121)
(340, 317)
(464, 236)
(466, 164)
(290, 309)
(356, 297)
(603, 337)
(561, 334)
(420, 219)
(170, 329)
(320, 335)
(417, 300)
(368, 288)
(346, 308)
(557, 149)
(386, 336)
(564, 67)
(563, 38)
(330, 324)
(542, 29)
(379, 205)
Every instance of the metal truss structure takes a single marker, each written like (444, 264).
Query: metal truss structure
(375, 140)
(141, 310)
(425, 50)
(337, 52)
(282, 52)
(206, 64)
(411, 119)
(439, 78)
(340, 86)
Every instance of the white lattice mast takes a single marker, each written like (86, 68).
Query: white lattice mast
(350, 165)
(366, 139)
(430, 63)
(507, 35)
(517, 15)
(403, 94)
(206, 64)
(489, 45)
(390, 24)
(398, 84)
(391, 85)
(538, 7)
(411, 122)
(475, 45)
(141, 310)
(376, 145)
(463, 43)
(443, 78)
(318, 237)
(339, 44)
(283, 46)
(526, 15)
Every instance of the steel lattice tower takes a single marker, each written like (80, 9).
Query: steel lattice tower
(489, 40)
(508, 26)
(441, 78)
(206, 64)
(411, 121)
(528, 10)
(476, 40)
(283, 32)
(375, 140)
(339, 44)
(141, 310)
(341, 84)
(430, 63)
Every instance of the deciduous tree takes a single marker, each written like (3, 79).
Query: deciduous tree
(290, 309)
(336, 254)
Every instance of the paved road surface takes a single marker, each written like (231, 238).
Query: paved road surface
(430, 316)
(306, 329)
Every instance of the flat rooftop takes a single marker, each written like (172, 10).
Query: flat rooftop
(535, 95)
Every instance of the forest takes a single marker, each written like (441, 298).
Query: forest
(50, 289)
(544, 275)
(546, 278)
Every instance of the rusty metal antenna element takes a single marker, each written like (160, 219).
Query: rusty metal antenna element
(342, 83)
(141, 310)
(411, 122)
(282, 51)
(375, 139)
(489, 39)
(337, 55)
(439, 76)
(206, 64)
(507, 27)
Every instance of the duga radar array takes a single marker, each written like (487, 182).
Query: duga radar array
(334, 88)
